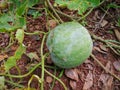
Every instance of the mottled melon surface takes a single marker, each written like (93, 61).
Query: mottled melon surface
(69, 44)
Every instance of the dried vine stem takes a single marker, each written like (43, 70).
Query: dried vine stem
(101, 20)
(104, 67)
(52, 8)
(110, 44)
(66, 15)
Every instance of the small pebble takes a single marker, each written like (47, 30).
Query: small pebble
(49, 79)
(37, 27)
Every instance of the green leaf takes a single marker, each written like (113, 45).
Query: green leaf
(32, 2)
(73, 5)
(61, 2)
(12, 60)
(2, 82)
(5, 26)
(2, 30)
(80, 5)
(15, 4)
(34, 13)
(94, 3)
(21, 10)
(10, 63)
(10, 22)
(20, 35)
(6, 18)
(20, 22)
(21, 49)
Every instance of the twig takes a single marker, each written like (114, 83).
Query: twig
(66, 15)
(48, 12)
(54, 11)
(108, 43)
(101, 20)
(104, 67)
(53, 17)
(109, 14)
(113, 49)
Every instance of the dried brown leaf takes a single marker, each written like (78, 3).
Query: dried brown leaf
(104, 23)
(72, 74)
(96, 16)
(109, 66)
(73, 85)
(103, 78)
(89, 81)
(107, 81)
(3, 56)
(102, 47)
(117, 33)
(90, 66)
(99, 50)
(116, 65)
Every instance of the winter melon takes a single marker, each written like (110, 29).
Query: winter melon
(69, 44)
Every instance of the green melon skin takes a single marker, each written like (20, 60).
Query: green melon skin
(69, 44)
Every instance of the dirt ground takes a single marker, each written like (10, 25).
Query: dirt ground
(89, 75)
